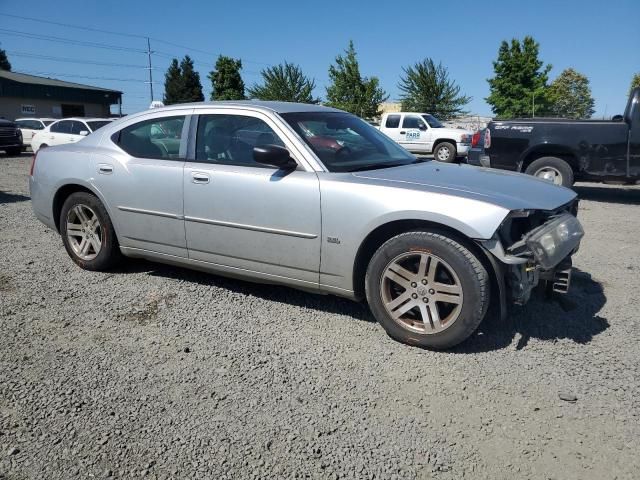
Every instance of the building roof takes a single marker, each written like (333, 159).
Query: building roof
(51, 82)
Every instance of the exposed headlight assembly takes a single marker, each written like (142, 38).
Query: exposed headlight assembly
(552, 242)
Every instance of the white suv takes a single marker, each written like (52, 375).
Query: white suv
(68, 130)
(30, 126)
(423, 133)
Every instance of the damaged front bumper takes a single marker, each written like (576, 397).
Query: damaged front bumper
(542, 253)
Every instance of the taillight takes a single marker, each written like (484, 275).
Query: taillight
(33, 164)
(475, 139)
(487, 138)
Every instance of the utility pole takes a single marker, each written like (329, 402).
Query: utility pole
(150, 74)
(533, 105)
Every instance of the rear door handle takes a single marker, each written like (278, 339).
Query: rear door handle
(105, 168)
(199, 177)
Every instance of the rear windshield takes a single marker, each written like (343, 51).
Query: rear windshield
(97, 124)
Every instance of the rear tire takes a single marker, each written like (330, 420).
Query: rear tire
(87, 232)
(427, 290)
(553, 169)
(445, 152)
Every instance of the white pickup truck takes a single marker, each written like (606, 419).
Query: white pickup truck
(423, 133)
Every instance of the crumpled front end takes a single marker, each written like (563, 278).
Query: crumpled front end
(536, 246)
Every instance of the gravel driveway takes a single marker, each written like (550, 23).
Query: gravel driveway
(159, 372)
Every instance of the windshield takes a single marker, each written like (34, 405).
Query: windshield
(345, 143)
(97, 124)
(432, 121)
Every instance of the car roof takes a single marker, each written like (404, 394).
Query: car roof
(37, 118)
(272, 106)
(83, 119)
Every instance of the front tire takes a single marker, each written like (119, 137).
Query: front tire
(87, 232)
(445, 152)
(427, 289)
(14, 151)
(552, 169)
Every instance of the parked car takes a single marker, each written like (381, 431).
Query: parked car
(246, 193)
(66, 131)
(10, 138)
(423, 133)
(563, 151)
(30, 126)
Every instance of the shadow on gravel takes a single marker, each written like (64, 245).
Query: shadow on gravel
(573, 316)
(13, 197)
(274, 293)
(609, 194)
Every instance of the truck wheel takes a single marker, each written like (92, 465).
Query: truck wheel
(552, 169)
(445, 152)
(87, 232)
(426, 289)
(14, 151)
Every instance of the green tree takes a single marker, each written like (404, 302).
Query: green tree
(635, 82)
(426, 87)
(350, 91)
(4, 61)
(284, 82)
(569, 95)
(520, 80)
(173, 87)
(192, 88)
(226, 82)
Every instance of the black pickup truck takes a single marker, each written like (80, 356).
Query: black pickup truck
(10, 138)
(563, 151)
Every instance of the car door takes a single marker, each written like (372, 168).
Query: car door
(246, 217)
(59, 133)
(77, 127)
(391, 127)
(414, 134)
(139, 173)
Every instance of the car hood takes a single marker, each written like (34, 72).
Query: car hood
(451, 132)
(513, 191)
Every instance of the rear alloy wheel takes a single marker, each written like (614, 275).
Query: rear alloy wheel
(552, 169)
(87, 232)
(426, 289)
(445, 152)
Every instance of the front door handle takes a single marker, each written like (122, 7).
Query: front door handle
(105, 169)
(199, 177)
(403, 132)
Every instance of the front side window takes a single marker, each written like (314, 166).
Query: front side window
(63, 126)
(346, 143)
(393, 121)
(77, 127)
(47, 122)
(230, 139)
(432, 121)
(155, 138)
(412, 121)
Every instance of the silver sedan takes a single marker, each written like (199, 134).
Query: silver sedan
(313, 198)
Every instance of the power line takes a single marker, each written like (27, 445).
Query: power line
(30, 72)
(71, 60)
(70, 41)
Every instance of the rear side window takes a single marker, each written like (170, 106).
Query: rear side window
(77, 127)
(63, 126)
(393, 121)
(412, 121)
(156, 138)
(30, 124)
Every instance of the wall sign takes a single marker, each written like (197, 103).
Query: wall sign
(28, 109)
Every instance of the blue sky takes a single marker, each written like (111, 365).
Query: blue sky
(599, 39)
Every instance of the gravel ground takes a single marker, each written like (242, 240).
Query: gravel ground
(167, 373)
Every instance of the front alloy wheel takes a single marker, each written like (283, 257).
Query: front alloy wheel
(427, 289)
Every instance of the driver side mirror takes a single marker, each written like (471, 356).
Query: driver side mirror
(84, 133)
(617, 118)
(422, 127)
(274, 156)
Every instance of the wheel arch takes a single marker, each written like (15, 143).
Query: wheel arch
(548, 150)
(64, 191)
(443, 140)
(388, 230)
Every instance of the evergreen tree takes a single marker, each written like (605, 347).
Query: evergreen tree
(4, 61)
(426, 87)
(569, 95)
(173, 87)
(192, 88)
(635, 82)
(226, 81)
(520, 80)
(284, 82)
(350, 91)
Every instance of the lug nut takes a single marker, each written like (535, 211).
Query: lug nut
(414, 295)
(432, 291)
(425, 300)
(414, 284)
(424, 281)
